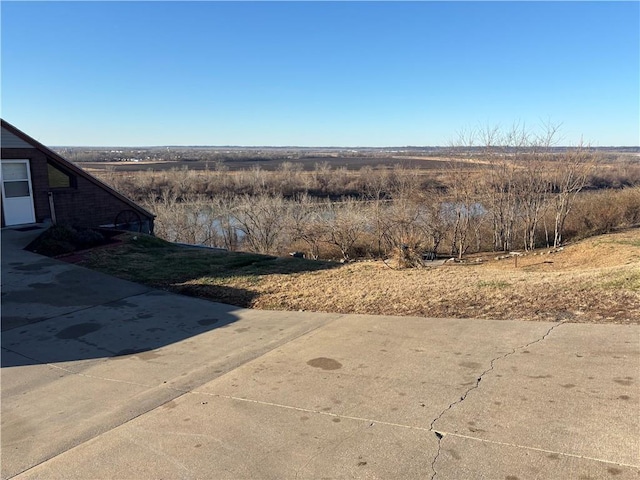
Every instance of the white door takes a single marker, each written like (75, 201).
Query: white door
(17, 195)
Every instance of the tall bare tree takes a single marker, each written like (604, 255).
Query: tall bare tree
(533, 183)
(569, 178)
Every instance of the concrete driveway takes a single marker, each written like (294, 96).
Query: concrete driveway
(102, 378)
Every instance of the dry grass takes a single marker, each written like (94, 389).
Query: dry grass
(596, 280)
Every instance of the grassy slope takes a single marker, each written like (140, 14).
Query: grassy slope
(596, 280)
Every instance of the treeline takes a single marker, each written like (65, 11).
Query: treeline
(324, 180)
(411, 229)
(288, 181)
(230, 154)
(516, 195)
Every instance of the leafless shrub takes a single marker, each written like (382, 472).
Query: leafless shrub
(178, 220)
(569, 178)
(601, 212)
(261, 218)
(404, 231)
(344, 223)
(305, 224)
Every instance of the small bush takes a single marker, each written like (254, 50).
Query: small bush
(52, 247)
(87, 238)
(62, 239)
(60, 233)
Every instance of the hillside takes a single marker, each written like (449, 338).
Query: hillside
(594, 280)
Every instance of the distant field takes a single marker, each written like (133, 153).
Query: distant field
(351, 163)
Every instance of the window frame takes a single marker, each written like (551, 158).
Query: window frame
(73, 183)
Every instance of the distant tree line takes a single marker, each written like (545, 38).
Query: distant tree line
(519, 193)
(229, 154)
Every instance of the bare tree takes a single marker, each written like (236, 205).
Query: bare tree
(261, 219)
(224, 207)
(376, 191)
(502, 150)
(435, 223)
(516, 187)
(463, 207)
(321, 176)
(402, 228)
(304, 223)
(533, 185)
(345, 223)
(179, 219)
(289, 178)
(569, 178)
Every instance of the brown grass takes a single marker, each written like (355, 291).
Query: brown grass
(596, 280)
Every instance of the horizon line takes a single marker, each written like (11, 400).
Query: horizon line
(326, 147)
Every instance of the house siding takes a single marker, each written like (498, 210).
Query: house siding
(9, 140)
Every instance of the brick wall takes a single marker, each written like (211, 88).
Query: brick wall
(85, 204)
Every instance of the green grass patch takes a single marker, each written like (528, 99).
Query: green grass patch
(149, 241)
(155, 262)
(629, 280)
(633, 243)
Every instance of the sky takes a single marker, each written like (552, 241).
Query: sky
(348, 74)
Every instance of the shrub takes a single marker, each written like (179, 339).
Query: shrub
(87, 238)
(62, 239)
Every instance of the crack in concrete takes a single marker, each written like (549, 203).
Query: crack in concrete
(440, 435)
(435, 459)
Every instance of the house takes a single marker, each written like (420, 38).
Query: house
(39, 185)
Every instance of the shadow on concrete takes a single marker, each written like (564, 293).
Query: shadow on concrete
(53, 311)
(136, 325)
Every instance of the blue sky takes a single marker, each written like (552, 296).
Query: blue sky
(318, 73)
